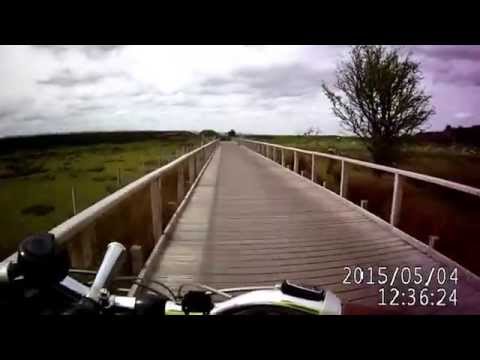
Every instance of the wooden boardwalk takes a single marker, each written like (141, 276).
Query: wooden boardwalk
(252, 222)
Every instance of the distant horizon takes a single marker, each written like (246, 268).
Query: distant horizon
(273, 89)
(191, 131)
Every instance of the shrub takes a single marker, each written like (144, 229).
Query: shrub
(96, 169)
(104, 178)
(110, 188)
(38, 210)
(48, 177)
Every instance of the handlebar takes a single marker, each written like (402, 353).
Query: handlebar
(40, 263)
(110, 264)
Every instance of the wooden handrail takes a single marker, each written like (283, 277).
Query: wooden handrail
(399, 175)
(70, 227)
(409, 174)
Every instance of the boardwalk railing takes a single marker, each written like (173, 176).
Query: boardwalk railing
(136, 215)
(271, 151)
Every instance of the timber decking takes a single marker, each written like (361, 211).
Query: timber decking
(252, 222)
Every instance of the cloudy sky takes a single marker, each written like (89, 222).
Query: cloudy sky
(253, 89)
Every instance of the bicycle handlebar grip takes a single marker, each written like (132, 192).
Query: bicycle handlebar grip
(110, 264)
(84, 307)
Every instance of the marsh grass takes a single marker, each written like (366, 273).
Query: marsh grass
(47, 179)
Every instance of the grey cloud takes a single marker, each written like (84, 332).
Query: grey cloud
(284, 80)
(91, 51)
(216, 81)
(89, 107)
(5, 113)
(55, 49)
(16, 108)
(185, 103)
(290, 80)
(448, 52)
(66, 78)
(453, 64)
(32, 118)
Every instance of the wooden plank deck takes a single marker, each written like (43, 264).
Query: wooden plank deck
(251, 222)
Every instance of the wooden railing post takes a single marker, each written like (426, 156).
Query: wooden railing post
(396, 200)
(432, 240)
(180, 184)
(364, 204)
(156, 206)
(197, 164)
(137, 261)
(82, 250)
(191, 171)
(274, 154)
(295, 161)
(344, 180)
(74, 201)
(283, 158)
(313, 168)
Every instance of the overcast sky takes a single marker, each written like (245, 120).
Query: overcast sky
(250, 88)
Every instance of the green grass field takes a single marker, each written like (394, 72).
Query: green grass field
(427, 209)
(36, 184)
(456, 163)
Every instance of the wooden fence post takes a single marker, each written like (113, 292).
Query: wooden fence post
(432, 239)
(364, 204)
(74, 200)
(396, 200)
(197, 164)
(313, 168)
(180, 184)
(156, 206)
(136, 255)
(119, 182)
(274, 155)
(191, 171)
(344, 180)
(82, 251)
(283, 157)
(324, 184)
(295, 161)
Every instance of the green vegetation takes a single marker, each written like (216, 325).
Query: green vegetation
(456, 163)
(36, 179)
(208, 133)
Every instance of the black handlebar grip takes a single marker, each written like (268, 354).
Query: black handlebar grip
(150, 304)
(84, 306)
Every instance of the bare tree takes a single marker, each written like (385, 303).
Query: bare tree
(378, 98)
(312, 131)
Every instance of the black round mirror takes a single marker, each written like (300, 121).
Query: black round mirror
(41, 261)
